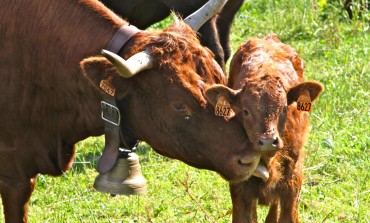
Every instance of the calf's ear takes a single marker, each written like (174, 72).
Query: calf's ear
(313, 87)
(103, 75)
(214, 92)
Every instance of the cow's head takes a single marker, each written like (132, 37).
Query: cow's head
(269, 79)
(164, 104)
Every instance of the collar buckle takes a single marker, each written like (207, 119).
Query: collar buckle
(110, 113)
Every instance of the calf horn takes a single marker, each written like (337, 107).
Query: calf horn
(202, 15)
(128, 68)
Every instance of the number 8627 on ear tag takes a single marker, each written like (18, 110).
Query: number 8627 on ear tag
(223, 107)
(304, 103)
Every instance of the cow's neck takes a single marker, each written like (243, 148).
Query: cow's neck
(95, 31)
(54, 36)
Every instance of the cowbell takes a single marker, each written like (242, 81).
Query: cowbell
(124, 178)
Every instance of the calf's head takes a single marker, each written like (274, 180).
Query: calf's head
(164, 104)
(262, 108)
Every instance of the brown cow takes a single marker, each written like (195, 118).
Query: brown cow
(48, 104)
(214, 33)
(267, 89)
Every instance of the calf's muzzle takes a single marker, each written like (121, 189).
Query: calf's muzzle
(270, 143)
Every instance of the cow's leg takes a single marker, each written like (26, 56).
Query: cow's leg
(347, 7)
(244, 203)
(224, 22)
(273, 214)
(209, 37)
(15, 201)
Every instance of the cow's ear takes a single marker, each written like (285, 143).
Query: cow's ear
(223, 99)
(214, 92)
(104, 76)
(313, 87)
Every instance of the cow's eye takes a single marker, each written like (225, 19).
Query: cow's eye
(285, 109)
(180, 107)
(246, 113)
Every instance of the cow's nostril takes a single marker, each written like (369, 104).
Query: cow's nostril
(260, 143)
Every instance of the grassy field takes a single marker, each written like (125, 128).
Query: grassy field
(337, 177)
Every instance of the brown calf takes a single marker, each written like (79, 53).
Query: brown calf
(269, 95)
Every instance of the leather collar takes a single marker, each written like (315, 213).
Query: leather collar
(110, 113)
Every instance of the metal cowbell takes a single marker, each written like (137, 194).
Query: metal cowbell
(124, 178)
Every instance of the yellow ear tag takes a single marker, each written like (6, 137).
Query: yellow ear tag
(223, 107)
(304, 102)
(106, 86)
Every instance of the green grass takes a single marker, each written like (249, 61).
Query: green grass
(337, 179)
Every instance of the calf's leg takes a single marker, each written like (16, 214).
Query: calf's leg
(273, 214)
(289, 199)
(289, 208)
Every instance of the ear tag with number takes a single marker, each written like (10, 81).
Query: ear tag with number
(304, 102)
(106, 86)
(223, 108)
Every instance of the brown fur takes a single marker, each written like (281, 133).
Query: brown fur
(49, 103)
(284, 67)
(178, 45)
(266, 77)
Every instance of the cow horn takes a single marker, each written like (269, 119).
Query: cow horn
(128, 68)
(202, 15)
(261, 172)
